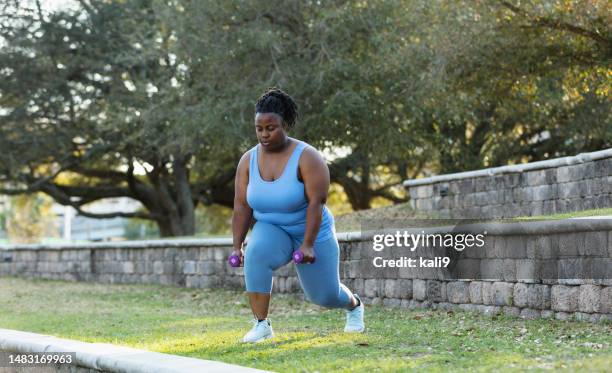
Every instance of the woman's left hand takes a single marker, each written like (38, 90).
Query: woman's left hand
(308, 252)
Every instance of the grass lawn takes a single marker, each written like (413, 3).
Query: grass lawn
(579, 214)
(208, 324)
(403, 212)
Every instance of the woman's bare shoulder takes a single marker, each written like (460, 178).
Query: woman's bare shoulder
(244, 161)
(311, 156)
(311, 151)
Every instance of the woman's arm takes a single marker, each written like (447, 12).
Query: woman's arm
(316, 184)
(241, 219)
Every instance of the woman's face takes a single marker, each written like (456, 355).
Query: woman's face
(270, 131)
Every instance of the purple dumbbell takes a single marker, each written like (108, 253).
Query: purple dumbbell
(234, 260)
(298, 257)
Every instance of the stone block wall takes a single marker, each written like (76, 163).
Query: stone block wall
(539, 188)
(181, 263)
(510, 274)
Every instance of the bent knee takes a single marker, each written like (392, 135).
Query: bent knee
(257, 256)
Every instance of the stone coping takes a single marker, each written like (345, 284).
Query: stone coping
(498, 228)
(549, 163)
(512, 228)
(151, 244)
(138, 244)
(111, 358)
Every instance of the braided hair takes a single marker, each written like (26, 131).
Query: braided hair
(274, 100)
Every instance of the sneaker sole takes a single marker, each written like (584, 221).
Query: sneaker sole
(355, 331)
(260, 339)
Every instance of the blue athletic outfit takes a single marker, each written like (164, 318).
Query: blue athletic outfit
(279, 207)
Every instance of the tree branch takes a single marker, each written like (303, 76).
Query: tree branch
(102, 174)
(97, 191)
(137, 214)
(87, 7)
(15, 192)
(386, 194)
(62, 198)
(559, 25)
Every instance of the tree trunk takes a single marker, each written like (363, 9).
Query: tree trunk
(359, 201)
(184, 196)
(175, 228)
(357, 186)
(358, 191)
(176, 206)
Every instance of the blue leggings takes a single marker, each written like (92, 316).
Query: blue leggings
(269, 248)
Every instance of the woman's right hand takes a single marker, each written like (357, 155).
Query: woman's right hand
(238, 253)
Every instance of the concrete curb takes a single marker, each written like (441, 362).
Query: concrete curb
(111, 358)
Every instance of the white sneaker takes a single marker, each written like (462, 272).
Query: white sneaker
(354, 318)
(261, 331)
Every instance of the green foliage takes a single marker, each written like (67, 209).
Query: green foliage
(3, 215)
(153, 100)
(140, 229)
(213, 220)
(30, 218)
(520, 81)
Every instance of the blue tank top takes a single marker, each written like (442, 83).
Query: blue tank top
(283, 202)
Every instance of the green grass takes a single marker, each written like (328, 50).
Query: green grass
(208, 324)
(403, 212)
(400, 212)
(567, 215)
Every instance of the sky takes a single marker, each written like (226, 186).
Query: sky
(58, 4)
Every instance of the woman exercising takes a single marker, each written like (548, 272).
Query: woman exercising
(282, 183)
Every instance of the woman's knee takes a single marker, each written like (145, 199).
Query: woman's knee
(268, 246)
(262, 256)
(257, 270)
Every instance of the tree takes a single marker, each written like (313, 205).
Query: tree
(519, 81)
(92, 95)
(153, 100)
(156, 89)
(340, 60)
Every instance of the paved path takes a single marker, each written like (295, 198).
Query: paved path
(110, 358)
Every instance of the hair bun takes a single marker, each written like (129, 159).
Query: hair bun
(275, 100)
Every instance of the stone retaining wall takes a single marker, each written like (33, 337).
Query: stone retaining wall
(508, 275)
(539, 188)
